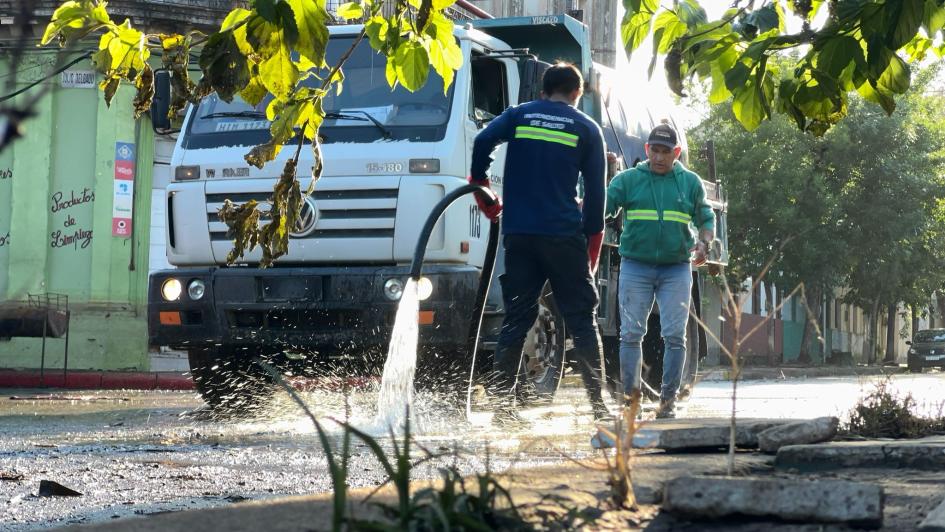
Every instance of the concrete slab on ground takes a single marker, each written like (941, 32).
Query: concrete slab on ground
(935, 521)
(926, 454)
(799, 433)
(708, 433)
(819, 501)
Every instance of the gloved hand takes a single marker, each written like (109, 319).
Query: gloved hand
(493, 211)
(593, 250)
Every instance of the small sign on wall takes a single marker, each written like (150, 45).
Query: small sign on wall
(78, 79)
(123, 202)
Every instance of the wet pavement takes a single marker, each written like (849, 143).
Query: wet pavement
(138, 453)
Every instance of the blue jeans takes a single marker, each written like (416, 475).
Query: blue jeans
(671, 286)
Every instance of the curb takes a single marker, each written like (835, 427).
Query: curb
(715, 374)
(97, 380)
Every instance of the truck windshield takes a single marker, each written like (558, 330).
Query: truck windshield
(367, 110)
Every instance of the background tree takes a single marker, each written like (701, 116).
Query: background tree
(778, 195)
(861, 207)
(845, 46)
(892, 203)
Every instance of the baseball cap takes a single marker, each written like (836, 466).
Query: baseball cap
(664, 135)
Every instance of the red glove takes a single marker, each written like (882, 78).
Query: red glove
(492, 211)
(593, 250)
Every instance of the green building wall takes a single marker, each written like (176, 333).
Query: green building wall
(69, 152)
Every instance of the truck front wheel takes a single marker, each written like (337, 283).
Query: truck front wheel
(229, 381)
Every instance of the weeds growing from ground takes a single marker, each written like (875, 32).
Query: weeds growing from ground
(885, 414)
(620, 469)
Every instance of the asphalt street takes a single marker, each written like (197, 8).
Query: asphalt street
(138, 453)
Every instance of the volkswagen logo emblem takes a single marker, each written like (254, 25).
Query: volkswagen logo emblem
(308, 219)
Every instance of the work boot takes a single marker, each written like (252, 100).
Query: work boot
(667, 409)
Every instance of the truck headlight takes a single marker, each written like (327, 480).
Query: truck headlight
(424, 288)
(394, 289)
(171, 290)
(196, 289)
(912, 351)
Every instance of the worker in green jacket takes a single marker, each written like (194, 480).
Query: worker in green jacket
(668, 228)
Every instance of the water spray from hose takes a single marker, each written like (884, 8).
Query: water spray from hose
(396, 393)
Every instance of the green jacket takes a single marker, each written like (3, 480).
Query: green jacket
(659, 213)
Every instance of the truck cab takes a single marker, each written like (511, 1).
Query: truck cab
(389, 157)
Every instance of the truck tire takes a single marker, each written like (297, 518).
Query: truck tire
(229, 382)
(543, 355)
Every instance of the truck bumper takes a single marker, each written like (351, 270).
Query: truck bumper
(329, 309)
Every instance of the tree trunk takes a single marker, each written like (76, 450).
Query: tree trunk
(940, 301)
(814, 303)
(915, 322)
(890, 357)
(873, 332)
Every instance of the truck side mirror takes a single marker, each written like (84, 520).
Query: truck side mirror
(161, 102)
(530, 85)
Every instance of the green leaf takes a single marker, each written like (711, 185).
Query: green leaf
(905, 18)
(785, 104)
(765, 18)
(934, 18)
(836, 53)
(390, 72)
(74, 20)
(350, 10)
(290, 29)
(376, 30)
(279, 73)
(918, 48)
(896, 78)
(267, 9)
(636, 22)
(670, 28)
(264, 37)
(747, 106)
(692, 13)
(878, 95)
(412, 64)
(819, 98)
(254, 91)
(849, 10)
(445, 57)
(878, 57)
(225, 69)
(311, 19)
(719, 92)
(737, 76)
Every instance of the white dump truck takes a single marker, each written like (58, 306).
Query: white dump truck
(390, 156)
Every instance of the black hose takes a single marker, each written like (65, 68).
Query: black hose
(485, 277)
(438, 209)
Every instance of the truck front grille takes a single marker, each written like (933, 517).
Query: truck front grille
(366, 213)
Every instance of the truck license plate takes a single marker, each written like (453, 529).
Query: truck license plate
(936, 357)
(291, 288)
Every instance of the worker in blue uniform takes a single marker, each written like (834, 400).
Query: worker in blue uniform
(549, 236)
